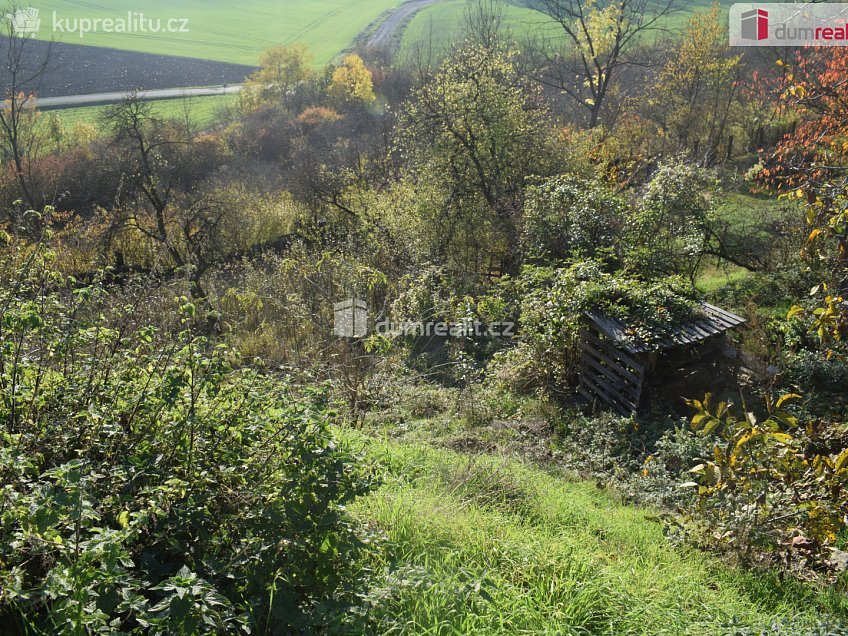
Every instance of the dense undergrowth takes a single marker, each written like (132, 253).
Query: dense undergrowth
(151, 484)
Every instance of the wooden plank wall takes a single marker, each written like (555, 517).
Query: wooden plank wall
(609, 374)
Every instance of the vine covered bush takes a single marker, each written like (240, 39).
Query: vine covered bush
(551, 304)
(152, 484)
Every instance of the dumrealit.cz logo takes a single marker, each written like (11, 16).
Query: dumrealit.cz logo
(789, 24)
(755, 24)
(351, 321)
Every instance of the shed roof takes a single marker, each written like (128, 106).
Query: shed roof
(709, 322)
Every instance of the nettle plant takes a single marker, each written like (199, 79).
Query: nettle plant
(778, 484)
(151, 483)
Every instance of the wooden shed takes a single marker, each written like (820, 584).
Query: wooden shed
(627, 375)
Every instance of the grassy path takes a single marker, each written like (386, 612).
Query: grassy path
(489, 546)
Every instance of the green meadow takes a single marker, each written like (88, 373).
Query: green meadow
(203, 111)
(442, 23)
(487, 545)
(223, 31)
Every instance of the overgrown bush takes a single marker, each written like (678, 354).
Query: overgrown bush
(552, 302)
(668, 232)
(777, 485)
(565, 216)
(152, 484)
(824, 377)
(644, 460)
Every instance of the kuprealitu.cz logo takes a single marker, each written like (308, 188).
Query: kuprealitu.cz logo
(25, 22)
(28, 23)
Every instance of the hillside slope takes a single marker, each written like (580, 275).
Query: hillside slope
(484, 545)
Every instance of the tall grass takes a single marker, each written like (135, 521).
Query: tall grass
(488, 546)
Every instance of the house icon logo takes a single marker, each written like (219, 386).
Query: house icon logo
(25, 22)
(755, 25)
(351, 319)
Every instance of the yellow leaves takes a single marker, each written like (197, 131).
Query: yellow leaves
(782, 438)
(796, 312)
(601, 29)
(785, 398)
(709, 472)
(761, 458)
(741, 443)
(841, 463)
(124, 519)
(704, 420)
(797, 91)
(352, 81)
(780, 63)
(815, 234)
(282, 67)
(810, 216)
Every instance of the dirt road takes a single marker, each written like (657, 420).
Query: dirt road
(107, 98)
(384, 36)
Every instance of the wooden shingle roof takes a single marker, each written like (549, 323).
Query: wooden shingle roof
(709, 322)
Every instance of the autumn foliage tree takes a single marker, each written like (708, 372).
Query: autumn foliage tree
(23, 137)
(811, 163)
(696, 90)
(282, 68)
(598, 39)
(352, 81)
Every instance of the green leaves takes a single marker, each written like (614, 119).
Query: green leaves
(133, 461)
(771, 481)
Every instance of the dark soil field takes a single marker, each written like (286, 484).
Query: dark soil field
(79, 70)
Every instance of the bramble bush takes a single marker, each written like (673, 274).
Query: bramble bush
(150, 483)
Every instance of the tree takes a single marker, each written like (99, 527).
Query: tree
(23, 141)
(566, 217)
(599, 36)
(670, 228)
(283, 68)
(479, 130)
(150, 201)
(352, 81)
(811, 163)
(483, 22)
(694, 94)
